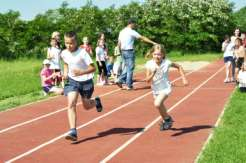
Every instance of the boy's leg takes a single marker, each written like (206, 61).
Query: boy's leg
(71, 111)
(86, 90)
(91, 103)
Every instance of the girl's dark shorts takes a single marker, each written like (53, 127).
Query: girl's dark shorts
(47, 88)
(228, 59)
(102, 69)
(85, 88)
(239, 62)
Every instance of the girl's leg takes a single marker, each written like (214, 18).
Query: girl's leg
(228, 65)
(159, 104)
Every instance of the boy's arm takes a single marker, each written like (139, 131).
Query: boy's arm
(91, 68)
(65, 69)
(181, 71)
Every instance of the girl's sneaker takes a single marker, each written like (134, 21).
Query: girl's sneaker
(226, 80)
(72, 135)
(166, 124)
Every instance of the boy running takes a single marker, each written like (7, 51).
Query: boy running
(78, 71)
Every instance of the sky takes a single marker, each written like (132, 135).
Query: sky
(30, 8)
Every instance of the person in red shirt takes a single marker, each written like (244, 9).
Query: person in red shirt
(86, 46)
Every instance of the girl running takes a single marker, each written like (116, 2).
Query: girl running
(157, 73)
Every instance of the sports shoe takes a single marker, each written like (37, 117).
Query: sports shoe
(118, 84)
(71, 136)
(166, 124)
(98, 104)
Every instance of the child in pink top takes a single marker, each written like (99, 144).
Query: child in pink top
(47, 79)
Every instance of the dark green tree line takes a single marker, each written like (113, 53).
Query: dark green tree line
(185, 25)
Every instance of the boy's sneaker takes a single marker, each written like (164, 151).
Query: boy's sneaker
(166, 124)
(98, 104)
(71, 136)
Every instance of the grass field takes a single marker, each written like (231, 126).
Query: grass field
(228, 144)
(20, 81)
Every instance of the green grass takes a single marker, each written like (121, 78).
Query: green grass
(177, 56)
(228, 144)
(20, 81)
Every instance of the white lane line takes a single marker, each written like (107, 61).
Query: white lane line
(123, 146)
(212, 133)
(47, 115)
(52, 113)
(81, 126)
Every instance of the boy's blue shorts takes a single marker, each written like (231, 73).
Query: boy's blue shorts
(85, 88)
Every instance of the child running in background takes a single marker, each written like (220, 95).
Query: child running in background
(53, 54)
(101, 58)
(228, 49)
(86, 46)
(157, 73)
(242, 78)
(47, 79)
(78, 71)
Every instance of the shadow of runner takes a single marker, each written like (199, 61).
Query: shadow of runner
(123, 131)
(186, 130)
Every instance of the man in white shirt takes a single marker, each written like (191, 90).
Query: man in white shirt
(126, 39)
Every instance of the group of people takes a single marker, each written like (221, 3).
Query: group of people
(78, 71)
(234, 49)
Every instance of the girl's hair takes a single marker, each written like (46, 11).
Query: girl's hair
(240, 40)
(159, 47)
(227, 37)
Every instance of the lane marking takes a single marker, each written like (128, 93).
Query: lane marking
(83, 125)
(123, 146)
(57, 111)
(49, 114)
(212, 132)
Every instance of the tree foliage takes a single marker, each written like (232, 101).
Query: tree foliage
(186, 25)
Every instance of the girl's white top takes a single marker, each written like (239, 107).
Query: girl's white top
(229, 49)
(160, 80)
(55, 57)
(100, 54)
(79, 59)
(242, 78)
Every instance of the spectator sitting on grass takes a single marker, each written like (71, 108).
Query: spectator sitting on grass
(47, 79)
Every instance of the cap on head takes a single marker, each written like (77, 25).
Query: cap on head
(46, 62)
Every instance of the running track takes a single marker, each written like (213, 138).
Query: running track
(126, 131)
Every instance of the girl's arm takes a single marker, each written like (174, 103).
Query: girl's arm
(149, 75)
(49, 55)
(181, 71)
(44, 78)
